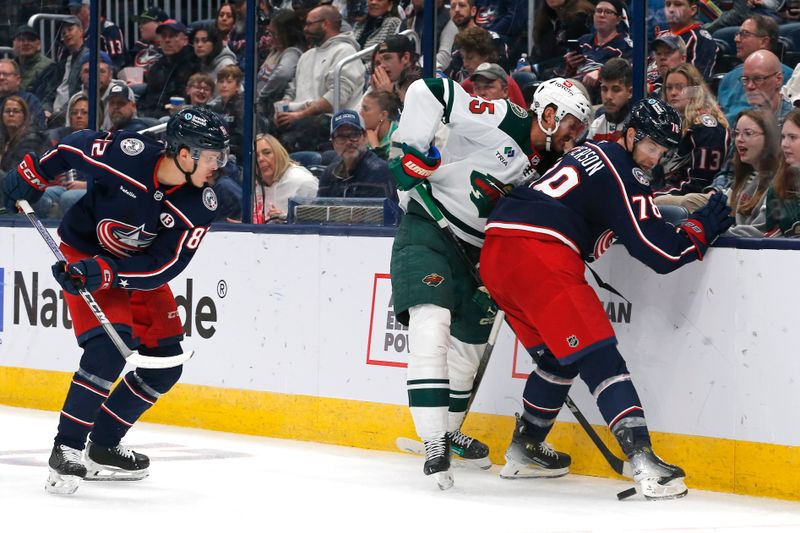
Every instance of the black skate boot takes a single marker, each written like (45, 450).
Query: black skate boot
(471, 450)
(526, 457)
(657, 479)
(66, 470)
(437, 461)
(115, 464)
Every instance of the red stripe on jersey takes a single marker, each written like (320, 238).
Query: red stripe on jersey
(125, 379)
(543, 409)
(86, 386)
(178, 212)
(530, 228)
(631, 214)
(114, 415)
(623, 413)
(77, 420)
(103, 166)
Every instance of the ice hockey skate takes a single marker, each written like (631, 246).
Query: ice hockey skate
(657, 480)
(66, 470)
(115, 464)
(529, 458)
(437, 462)
(469, 449)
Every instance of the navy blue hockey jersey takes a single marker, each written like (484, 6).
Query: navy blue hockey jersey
(595, 195)
(151, 230)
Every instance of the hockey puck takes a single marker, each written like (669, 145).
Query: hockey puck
(627, 493)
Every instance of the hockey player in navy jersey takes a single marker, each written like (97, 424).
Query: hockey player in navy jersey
(146, 211)
(532, 263)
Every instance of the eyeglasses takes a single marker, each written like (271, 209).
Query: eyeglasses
(746, 134)
(310, 22)
(13, 111)
(756, 80)
(743, 34)
(342, 138)
(8, 74)
(609, 12)
(202, 88)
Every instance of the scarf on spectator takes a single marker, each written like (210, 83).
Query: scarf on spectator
(370, 25)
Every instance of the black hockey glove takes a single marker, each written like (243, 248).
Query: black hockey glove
(25, 182)
(709, 222)
(93, 274)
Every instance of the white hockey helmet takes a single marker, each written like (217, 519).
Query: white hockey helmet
(566, 98)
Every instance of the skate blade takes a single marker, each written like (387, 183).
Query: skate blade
(443, 479)
(515, 470)
(652, 490)
(58, 484)
(98, 472)
(483, 463)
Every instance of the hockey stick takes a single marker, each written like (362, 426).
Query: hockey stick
(618, 465)
(131, 356)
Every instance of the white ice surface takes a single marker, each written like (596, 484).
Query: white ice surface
(209, 481)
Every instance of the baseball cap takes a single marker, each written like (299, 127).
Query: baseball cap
(172, 24)
(672, 41)
(152, 14)
(26, 30)
(618, 6)
(348, 117)
(491, 71)
(399, 44)
(120, 89)
(71, 21)
(77, 3)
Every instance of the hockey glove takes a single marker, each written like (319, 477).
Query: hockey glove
(25, 182)
(709, 222)
(488, 309)
(413, 166)
(93, 274)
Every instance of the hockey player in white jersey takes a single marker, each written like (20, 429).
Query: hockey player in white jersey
(492, 146)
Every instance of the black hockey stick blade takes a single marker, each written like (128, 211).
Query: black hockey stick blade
(619, 466)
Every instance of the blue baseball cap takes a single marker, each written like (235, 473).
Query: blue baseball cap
(174, 25)
(346, 117)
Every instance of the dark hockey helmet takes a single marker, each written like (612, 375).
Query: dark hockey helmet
(654, 118)
(198, 129)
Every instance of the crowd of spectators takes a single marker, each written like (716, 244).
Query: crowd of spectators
(732, 74)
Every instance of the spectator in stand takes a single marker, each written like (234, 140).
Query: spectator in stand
(382, 20)
(725, 26)
(200, 89)
(756, 33)
(111, 39)
(491, 82)
(10, 86)
(212, 55)
(68, 67)
(288, 43)
(668, 51)
(230, 105)
(474, 46)
(756, 160)
(704, 145)
(225, 21)
(147, 50)
(278, 179)
(309, 97)
(168, 76)
(701, 50)
(445, 29)
(357, 172)
(604, 43)
(104, 73)
(121, 108)
(58, 199)
(616, 92)
(394, 60)
(783, 196)
(555, 23)
(506, 18)
(17, 136)
(35, 69)
(380, 111)
(762, 79)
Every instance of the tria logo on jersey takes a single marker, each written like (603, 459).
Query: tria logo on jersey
(123, 239)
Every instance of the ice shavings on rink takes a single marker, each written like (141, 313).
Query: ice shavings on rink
(205, 481)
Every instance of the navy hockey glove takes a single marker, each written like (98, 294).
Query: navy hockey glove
(93, 274)
(25, 182)
(413, 166)
(709, 222)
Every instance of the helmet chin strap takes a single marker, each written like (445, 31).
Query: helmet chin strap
(548, 132)
(187, 175)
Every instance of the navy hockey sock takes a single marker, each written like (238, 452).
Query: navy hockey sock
(545, 391)
(607, 377)
(134, 395)
(100, 365)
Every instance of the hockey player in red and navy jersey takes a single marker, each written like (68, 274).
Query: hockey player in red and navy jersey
(532, 263)
(145, 212)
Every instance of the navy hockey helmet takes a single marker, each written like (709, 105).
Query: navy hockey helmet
(657, 120)
(198, 129)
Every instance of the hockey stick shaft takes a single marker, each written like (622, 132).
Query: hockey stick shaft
(131, 356)
(618, 465)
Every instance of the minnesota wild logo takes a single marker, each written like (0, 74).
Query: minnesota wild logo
(486, 191)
